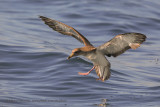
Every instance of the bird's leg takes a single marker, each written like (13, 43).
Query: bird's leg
(86, 72)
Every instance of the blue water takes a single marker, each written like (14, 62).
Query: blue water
(34, 71)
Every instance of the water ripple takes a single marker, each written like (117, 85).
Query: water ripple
(34, 70)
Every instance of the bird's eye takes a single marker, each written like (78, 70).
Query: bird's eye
(76, 52)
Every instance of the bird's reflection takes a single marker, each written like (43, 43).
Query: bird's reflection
(103, 103)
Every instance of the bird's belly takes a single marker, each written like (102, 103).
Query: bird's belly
(98, 59)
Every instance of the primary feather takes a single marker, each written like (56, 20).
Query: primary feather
(65, 29)
(120, 43)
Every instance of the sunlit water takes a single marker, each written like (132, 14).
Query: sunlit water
(34, 70)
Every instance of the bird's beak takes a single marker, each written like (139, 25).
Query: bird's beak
(72, 54)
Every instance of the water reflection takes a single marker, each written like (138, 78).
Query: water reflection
(103, 103)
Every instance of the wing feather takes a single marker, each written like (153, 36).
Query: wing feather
(120, 43)
(65, 29)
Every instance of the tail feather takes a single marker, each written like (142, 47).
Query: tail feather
(103, 72)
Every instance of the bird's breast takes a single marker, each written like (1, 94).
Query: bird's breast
(91, 56)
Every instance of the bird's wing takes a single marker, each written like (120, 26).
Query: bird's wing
(120, 43)
(65, 29)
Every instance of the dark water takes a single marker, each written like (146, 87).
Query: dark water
(33, 66)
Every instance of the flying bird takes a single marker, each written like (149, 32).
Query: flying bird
(114, 47)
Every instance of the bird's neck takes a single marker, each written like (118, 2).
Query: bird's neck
(87, 49)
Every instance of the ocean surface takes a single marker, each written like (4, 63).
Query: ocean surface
(35, 72)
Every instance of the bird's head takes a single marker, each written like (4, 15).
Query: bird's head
(81, 51)
(75, 52)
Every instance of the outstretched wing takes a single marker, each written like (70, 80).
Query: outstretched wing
(120, 43)
(65, 29)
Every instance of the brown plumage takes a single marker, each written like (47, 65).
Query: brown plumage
(116, 46)
(65, 29)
